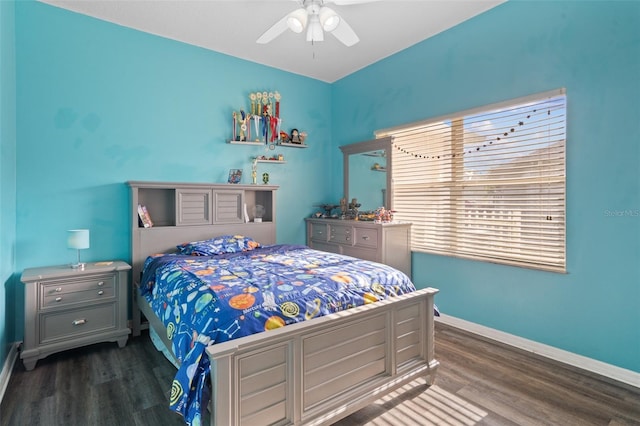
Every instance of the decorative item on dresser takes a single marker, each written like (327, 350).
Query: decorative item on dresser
(387, 243)
(66, 308)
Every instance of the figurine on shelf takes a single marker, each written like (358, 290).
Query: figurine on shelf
(284, 137)
(295, 136)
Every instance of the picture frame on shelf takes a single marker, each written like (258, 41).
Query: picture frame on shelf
(235, 176)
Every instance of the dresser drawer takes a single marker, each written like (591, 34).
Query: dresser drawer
(361, 253)
(319, 232)
(68, 324)
(366, 237)
(340, 234)
(61, 293)
(323, 246)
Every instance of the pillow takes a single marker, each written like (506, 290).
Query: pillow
(218, 245)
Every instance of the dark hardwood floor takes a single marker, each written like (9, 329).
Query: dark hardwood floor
(479, 383)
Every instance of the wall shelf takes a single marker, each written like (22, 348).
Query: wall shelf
(254, 143)
(272, 161)
(248, 143)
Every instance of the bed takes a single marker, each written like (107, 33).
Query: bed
(312, 361)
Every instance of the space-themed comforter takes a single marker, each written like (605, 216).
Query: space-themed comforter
(204, 300)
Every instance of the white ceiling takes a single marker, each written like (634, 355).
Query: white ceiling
(233, 26)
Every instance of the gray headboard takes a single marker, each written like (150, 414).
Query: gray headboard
(183, 212)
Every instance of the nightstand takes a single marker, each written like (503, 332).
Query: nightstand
(66, 308)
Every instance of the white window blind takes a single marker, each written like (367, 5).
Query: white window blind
(486, 184)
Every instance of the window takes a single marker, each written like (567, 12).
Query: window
(486, 184)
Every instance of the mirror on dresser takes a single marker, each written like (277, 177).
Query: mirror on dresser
(383, 242)
(367, 173)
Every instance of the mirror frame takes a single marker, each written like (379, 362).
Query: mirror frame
(366, 146)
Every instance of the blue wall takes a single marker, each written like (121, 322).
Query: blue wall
(7, 176)
(117, 105)
(101, 104)
(520, 48)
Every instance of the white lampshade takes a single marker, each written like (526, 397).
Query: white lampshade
(297, 20)
(78, 239)
(328, 19)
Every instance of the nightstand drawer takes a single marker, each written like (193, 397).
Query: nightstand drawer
(67, 324)
(64, 299)
(366, 237)
(60, 293)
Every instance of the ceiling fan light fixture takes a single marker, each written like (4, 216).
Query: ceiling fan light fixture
(297, 20)
(315, 19)
(314, 32)
(328, 19)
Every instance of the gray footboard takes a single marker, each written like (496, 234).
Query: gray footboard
(319, 371)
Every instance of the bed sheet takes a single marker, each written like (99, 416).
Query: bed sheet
(203, 300)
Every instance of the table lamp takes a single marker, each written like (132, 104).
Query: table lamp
(78, 239)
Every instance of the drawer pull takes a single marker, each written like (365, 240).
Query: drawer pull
(79, 321)
(366, 237)
(100, 293)
(101, 283)
(58, 299)
(58, 289)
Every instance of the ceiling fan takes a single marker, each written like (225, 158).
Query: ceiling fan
(316, 18)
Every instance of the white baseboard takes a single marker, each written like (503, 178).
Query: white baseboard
(607, 370)
(7, 368)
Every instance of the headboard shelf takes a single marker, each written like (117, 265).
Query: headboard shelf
(183, 212)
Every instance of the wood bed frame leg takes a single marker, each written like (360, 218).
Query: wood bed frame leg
(433, 367)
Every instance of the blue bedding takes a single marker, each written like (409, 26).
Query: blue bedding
(204, 300)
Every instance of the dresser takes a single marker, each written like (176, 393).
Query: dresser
(66, 308)
(387, 243)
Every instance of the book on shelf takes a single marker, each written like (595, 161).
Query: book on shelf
(145, 218)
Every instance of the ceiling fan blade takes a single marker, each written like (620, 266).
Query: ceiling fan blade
(349, 2)
(345, 33)
(273, 32)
